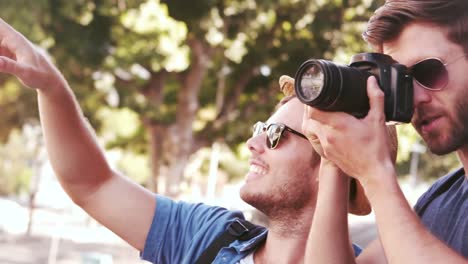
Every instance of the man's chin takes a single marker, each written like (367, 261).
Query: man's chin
(249, 195)
(440, 147)
(245, 193)
(261, 201)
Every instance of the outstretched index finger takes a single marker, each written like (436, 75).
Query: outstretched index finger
(376, 99)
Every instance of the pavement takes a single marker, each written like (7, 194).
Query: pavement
(58, 236)
(65, 238)
(66, 235)
(21, 249)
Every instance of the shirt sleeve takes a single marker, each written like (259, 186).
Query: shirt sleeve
(182, 230)
(434, 187)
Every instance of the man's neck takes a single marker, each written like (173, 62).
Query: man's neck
(281, 250)
(285, 243)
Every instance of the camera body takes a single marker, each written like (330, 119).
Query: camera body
(332, 87)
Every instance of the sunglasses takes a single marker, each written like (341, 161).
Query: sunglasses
(274, 132)
(431, 73)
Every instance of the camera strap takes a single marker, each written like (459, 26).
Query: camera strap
(239, 229)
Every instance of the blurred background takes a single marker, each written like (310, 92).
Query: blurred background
(172, 89)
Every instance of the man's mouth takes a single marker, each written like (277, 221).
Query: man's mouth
(257, 169)
(427, 124)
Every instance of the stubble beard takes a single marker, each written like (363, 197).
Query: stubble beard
(456, 137)
(282, 202)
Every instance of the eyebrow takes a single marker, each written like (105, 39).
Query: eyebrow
(443, 56)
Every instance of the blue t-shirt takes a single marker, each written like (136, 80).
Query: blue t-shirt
(181, 231)
(447, 215)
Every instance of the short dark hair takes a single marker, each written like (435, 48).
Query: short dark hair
(390, 19)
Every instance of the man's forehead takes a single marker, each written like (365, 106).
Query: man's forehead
(419, 41)
(290, 114)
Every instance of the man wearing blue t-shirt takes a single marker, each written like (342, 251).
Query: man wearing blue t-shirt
(431, 39)
(282, 180)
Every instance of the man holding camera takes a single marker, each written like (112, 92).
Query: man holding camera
(430, 38)
(281, 182)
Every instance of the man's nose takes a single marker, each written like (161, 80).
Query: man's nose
(257, 143)
(421, 95)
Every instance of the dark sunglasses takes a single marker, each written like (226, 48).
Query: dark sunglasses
(431, 73)
(274, 132)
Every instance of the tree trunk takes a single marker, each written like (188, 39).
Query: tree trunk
(225, 108)
(154, 92)
(187, 107)
(156, 136)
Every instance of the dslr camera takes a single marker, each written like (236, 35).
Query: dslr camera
(332, 87)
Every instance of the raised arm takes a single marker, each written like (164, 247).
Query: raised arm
(403, 236)
(328, 240)
(78, 161)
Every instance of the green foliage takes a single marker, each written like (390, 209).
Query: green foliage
(136, 166)
(16, 166)
(128, 62)
(188, 12)
(86, 19)
(148, 36)
(28, 17)
(17, 106)
(118, 123)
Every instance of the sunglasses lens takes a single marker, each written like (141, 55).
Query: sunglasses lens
(274, 133)
(430, 73)
(257, 129)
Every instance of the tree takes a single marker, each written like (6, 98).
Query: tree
(182, 76)
(237, 53)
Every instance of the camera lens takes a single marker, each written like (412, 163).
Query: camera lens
(311, 83)
(331, 87)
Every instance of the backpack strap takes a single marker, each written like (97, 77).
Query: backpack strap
(239, 229)
(440, 190)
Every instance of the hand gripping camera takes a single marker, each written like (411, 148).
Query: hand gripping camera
(331, 87)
